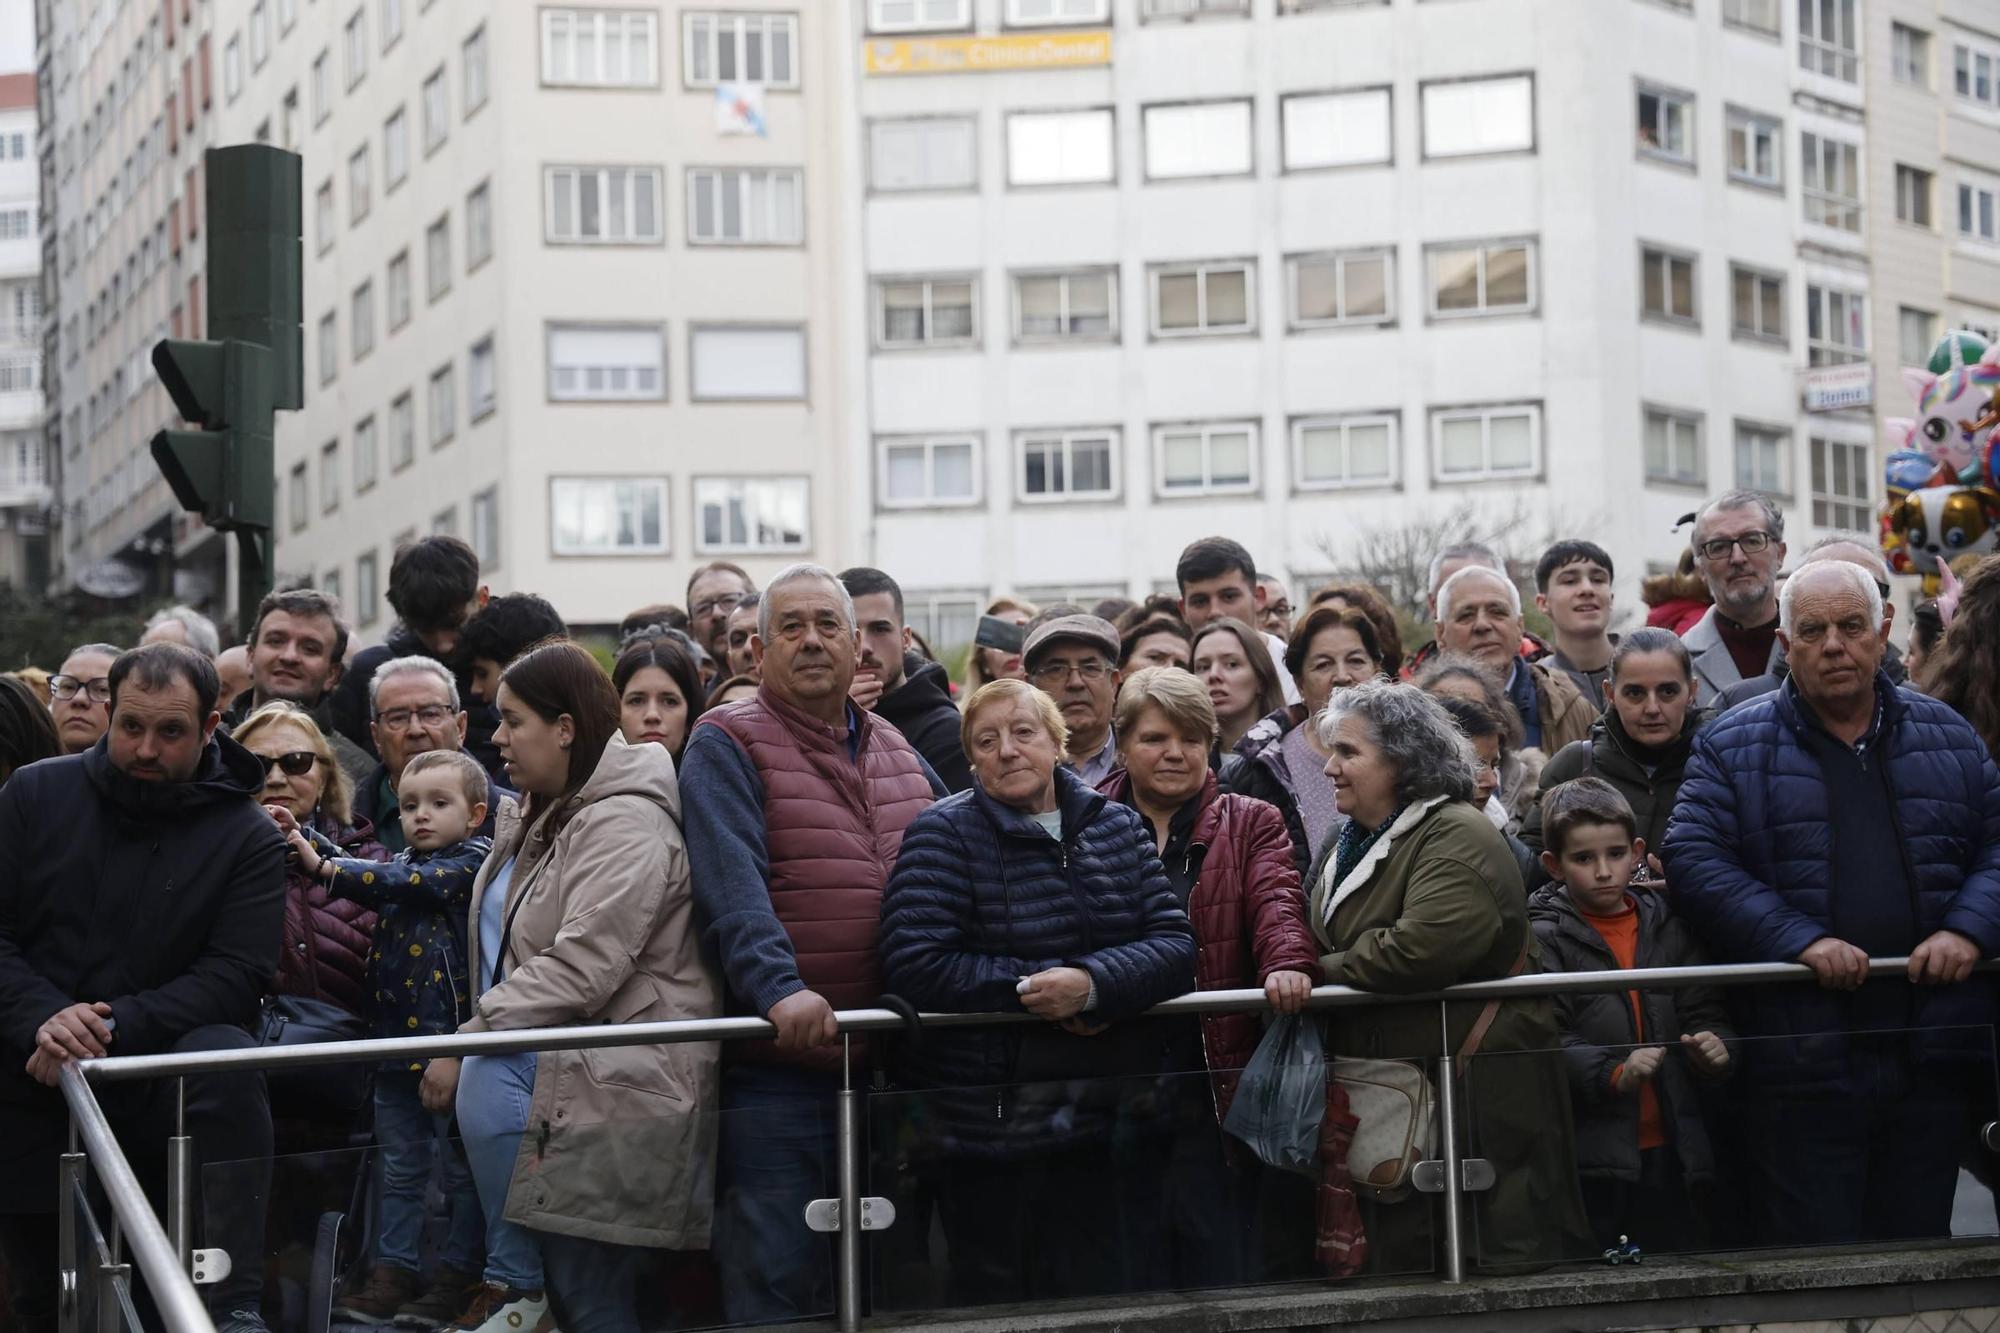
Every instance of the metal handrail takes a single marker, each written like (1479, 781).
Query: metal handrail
(601, 1035)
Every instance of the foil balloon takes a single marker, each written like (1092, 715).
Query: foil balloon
(1954, 394)
(1939, 523)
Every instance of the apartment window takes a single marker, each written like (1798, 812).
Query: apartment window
(472, 71)
(392, 22)
(1212, 459)
(926, 472)
(731, 362)
(444, 523)
(1830, 39)
(1836, 326)
(442, 403)
(1840, 485)
(329, 349)
(395, 149)
(329, 476)
(1762, 459)
(918, 15)
(939, 154)
(1204, 298)
(1052, 13)
(1486, 443)
(478, 226)
(752, 514)
(486, 528)
(322, 87)
(361, 323)
(1060, 148)
(367, 451)
(323, 225)
(355, 48)
(1353, 288)
(1336, 129)
(1061, 307)
(399, 290)
(1975, 211)
(1758, 15)
(1482, 278)
(1832, 182)
(602, 205)
(402, 431)
(437, 258)
(745, 206)
(1673, 448)
(1916, 335)
(926, 312)
(260, 34)
(232, 69)
(482, 392)
(1666, 124)
(1667, 285)
(367, 589)
(299, 503)
(1913, 195)
(1068, 465)
(1333, 453)
(607, 363)
(1754, 155)
(288, 14)
(1976, 73)
(1756, 304)
(947, 621)
(437, 111)
(1204, 139)
(608, 515)
(750, 48)
(1469, 117)
(1187, 9)
(600, 48)
(1910, 55)
(358, 190)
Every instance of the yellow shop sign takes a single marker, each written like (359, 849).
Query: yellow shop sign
(982, 55)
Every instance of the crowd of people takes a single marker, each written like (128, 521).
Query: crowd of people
(776, 802)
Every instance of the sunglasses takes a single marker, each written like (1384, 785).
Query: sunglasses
(296, 764)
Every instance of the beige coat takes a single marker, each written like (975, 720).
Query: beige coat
(620, 1143)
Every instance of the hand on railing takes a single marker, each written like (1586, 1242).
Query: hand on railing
(804, 1020)
(79, 1032)
(1944, 959)
(1288, 991)
(1837, 964)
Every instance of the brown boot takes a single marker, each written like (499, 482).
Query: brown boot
(387, 1290)
(444, 1300)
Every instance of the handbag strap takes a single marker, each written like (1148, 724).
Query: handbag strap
(1470, 1046)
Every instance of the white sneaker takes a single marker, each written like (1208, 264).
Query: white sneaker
(501, 1309)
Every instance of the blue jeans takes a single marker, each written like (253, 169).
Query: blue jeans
(777, 1154)
(494, 1094)
(410, 1139)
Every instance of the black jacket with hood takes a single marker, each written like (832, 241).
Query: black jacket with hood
(922, 709)
(1648, 780)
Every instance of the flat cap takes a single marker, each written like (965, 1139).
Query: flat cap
(1093, 630)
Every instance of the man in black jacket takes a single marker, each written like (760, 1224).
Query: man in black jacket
(902, 688)
(142, 894)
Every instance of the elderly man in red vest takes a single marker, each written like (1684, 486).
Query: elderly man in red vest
(796, 805)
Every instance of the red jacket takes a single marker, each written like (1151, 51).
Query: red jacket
(326, 939)
(1249, 916)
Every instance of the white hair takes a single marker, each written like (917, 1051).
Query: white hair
(414, 665)
(1840, 571)
(1871, 555)
(1444, 593)
(800, 573)
(1477, 552)
(201, 634)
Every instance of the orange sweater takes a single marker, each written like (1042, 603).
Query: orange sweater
(1621, 934)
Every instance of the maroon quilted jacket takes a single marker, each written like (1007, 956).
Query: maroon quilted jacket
(833, 828)
(1249, 916)
(326, 940)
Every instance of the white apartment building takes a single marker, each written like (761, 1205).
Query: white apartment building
(1139, 271)
(24, 488)
(1934, 183)
(564, 297)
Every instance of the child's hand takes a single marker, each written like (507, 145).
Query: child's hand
(309, 858)
(1707, 1052)
(1639, 1068)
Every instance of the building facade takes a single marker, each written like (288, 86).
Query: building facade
(24, 486)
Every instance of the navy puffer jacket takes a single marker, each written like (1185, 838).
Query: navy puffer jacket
(981, 897)
(1748, 854)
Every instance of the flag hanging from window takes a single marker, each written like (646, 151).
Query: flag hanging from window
(739, 109)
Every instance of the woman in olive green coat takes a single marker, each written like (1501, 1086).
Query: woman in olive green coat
(1420, 892)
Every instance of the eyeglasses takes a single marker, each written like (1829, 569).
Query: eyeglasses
(1057, 673)
(719, 604)
(296, 764)
(430, 715)
(65, 687)
(1717, 548)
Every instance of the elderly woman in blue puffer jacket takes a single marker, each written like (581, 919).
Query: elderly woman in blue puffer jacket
(1033, 892)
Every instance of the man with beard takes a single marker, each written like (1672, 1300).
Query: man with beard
(1739, 546)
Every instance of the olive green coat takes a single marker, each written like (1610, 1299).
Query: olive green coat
(1439, 901)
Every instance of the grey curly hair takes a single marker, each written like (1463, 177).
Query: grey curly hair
(1415, 735)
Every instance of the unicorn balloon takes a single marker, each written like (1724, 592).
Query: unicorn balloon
(1954, 403)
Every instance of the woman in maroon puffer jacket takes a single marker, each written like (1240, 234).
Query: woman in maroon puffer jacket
(1229, 860)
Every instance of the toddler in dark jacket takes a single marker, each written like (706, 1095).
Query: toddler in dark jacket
(417, 988)
(1643, 1150)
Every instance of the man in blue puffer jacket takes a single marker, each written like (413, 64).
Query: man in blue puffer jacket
(1837, 819)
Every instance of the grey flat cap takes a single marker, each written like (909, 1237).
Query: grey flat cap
(1093, 630)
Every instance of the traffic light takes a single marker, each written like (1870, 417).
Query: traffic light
(224, 470)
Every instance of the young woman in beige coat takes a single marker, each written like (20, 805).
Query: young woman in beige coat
(583, 914)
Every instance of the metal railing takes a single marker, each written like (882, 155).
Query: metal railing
(164, 1258)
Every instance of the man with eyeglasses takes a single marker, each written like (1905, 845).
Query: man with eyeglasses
(80, 696)
(1739, 546)
(1074, 660)
(713, 593)
(1835, 820)
(414, 707)
(1857, 550)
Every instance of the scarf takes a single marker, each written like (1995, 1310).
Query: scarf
(1355, 843)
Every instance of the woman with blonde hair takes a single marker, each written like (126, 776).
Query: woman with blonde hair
(987, 665)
